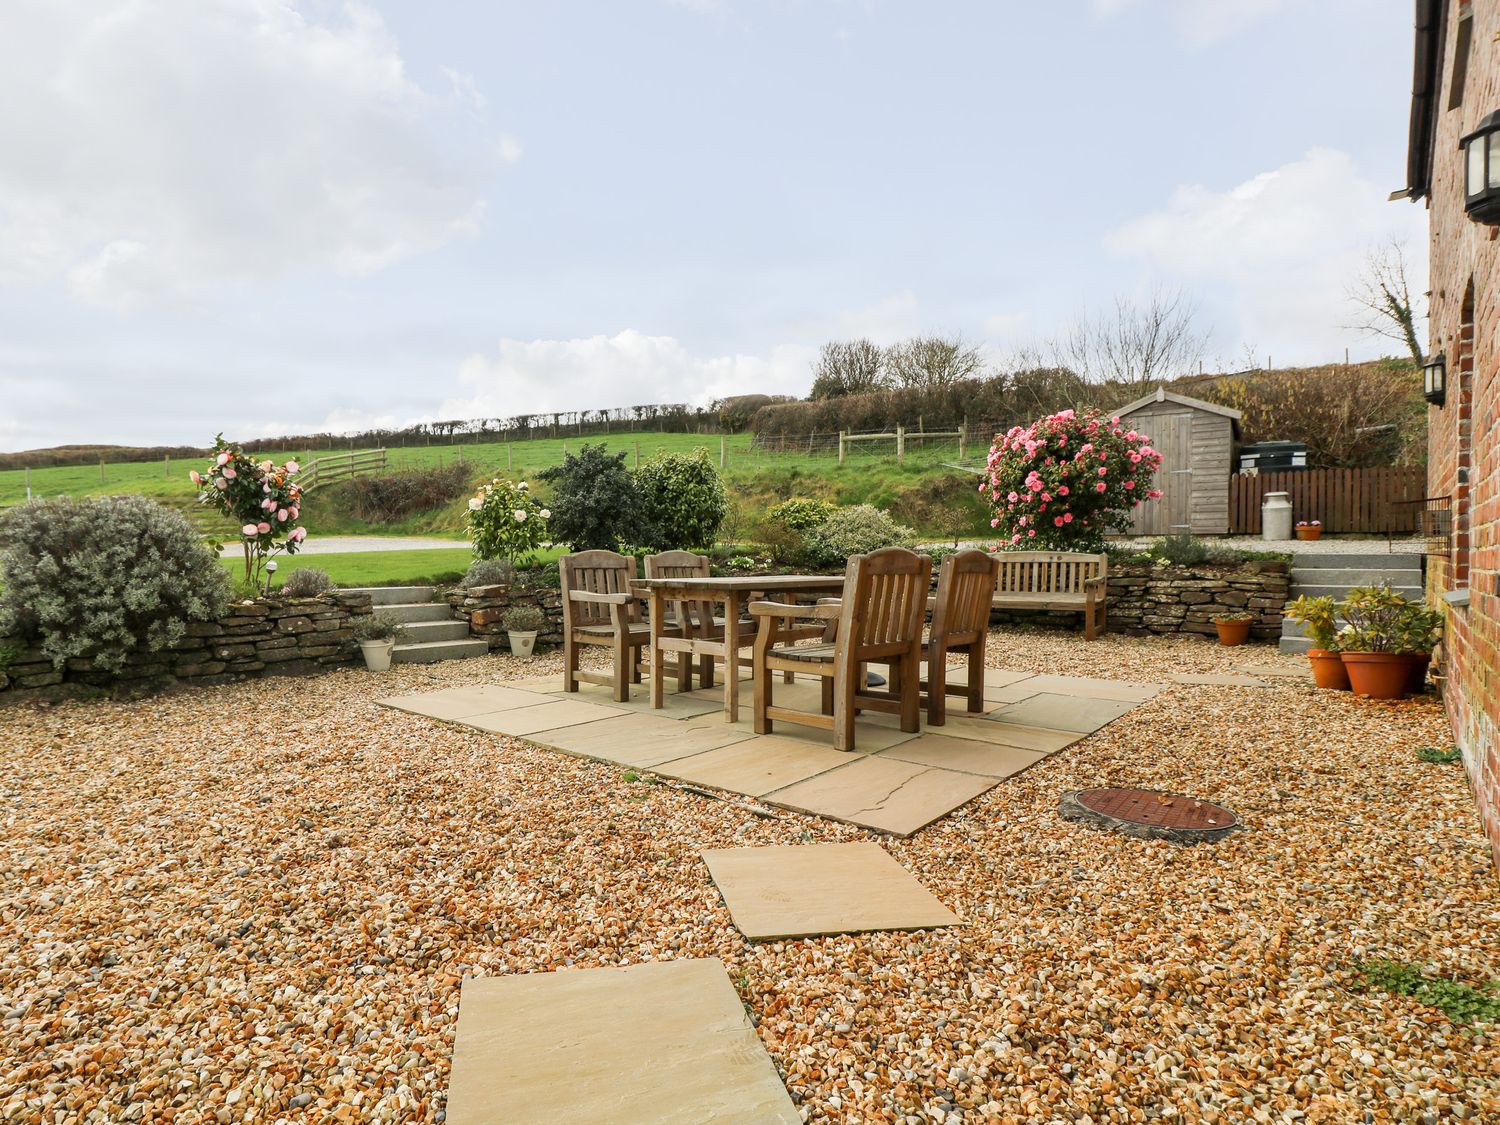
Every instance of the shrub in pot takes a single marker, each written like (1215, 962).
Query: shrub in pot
(1234, 626)
(1419, 629)
(377, 635)
(1319, 617)
(1370, 643)
(522, 623)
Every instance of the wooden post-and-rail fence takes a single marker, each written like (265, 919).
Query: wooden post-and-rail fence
(338, 466)
(1344, 501)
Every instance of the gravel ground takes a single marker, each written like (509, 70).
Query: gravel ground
(256, 903)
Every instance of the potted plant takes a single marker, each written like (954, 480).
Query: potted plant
(377, 635)
(1233, 626)
(1309, 529)
(1319, 617)
(1370, 642)
(522, 623)
(1419, 628)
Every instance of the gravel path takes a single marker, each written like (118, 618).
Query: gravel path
(255, 904)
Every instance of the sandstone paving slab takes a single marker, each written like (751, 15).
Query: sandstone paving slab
(756, 766)
(1089, 688)
(676, 704)
(813, 890)
(872, 731)
(991, 729)
(964, 755)
(1216, 679)
(643, 741)
(886, 795)
(457, 703)
(541, 716)
(665, 1042)
(1064, 712)
(1263, 670)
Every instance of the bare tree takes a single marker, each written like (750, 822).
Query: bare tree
(849, 367)
(1137, 342)
(1384, 300)
(932, 361)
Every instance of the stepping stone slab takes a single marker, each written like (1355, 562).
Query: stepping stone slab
(1215, 679)
(872, 731)
(964, 755)
(1088, 688)
(1064, 712)
(756, 766)
(540, 717)
(992, 730)
(664, 1042)
(459, 703)
(1275, 673)
(819, 889)
(886, 795)
(643, 741)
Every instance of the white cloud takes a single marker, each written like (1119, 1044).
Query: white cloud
(1283, 247)
(1200, 23)
(626, 369)
(157, 146)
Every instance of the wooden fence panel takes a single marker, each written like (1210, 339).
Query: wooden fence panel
(1345, 501)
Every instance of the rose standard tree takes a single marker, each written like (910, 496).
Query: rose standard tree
(261, 497)
(507, 522)
(1062, 482)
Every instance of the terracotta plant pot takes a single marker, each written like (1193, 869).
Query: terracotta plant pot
(1378, 675)
(1328, 669)
(1233, 632)
(1416, 671)
(1309, 532)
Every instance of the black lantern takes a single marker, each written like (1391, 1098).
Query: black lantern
(1435, 379)
(1481, 150)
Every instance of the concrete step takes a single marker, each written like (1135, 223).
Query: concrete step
(419, 611)
(1352, 576)
(1294, 644)
(1366, 560)
(420, 632)
(433, 651)
(396, 595)
(1411, 593)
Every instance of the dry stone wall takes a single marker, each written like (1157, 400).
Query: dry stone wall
(484, 608)
(266, 637)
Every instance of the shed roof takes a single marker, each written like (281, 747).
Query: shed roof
(1161, 394)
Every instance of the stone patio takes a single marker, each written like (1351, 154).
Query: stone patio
(894, 782)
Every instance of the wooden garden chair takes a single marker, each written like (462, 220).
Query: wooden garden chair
(960, 624)
(693, 618)
(879, 618)
(598, 609)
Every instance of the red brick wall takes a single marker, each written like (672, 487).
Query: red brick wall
(1462, 436)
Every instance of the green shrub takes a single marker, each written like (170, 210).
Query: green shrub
(101, 578)
(382, 499)
(683, 501)
(489, 572)
(1181, 550)
(1319, 618)
(377, 627)
(595, 501)
(800, 513)
(855, 531)
(524, 619)
(308, 582)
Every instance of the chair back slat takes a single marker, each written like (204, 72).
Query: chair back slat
(885, 601)
(684, 564)
(965, 581)
(596, 572)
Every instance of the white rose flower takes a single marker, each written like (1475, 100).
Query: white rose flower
(475, 503)
(523, 486)
(520, 515)
(546, 513)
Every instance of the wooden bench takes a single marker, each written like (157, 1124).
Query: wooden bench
(1055, 580)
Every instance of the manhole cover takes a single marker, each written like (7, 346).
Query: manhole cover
(1150, 814)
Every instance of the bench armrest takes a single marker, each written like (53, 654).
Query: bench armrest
(1100, 582)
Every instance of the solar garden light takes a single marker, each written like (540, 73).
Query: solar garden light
(270, 575)
(1481, 150)
(1435, 379)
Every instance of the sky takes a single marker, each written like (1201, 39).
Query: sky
(270, 216)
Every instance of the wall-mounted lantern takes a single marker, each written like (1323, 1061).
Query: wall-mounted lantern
(1481, 150)
(1435, 379)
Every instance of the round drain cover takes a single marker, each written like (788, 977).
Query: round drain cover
(1150, 814)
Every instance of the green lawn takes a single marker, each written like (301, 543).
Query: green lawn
(377, 568)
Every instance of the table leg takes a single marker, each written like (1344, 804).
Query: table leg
(658, 658)
(732, 657)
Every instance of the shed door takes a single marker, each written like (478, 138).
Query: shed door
(1172, 435)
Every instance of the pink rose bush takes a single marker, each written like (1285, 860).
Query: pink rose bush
(261, 497)
(507, 522)
(1060, 483)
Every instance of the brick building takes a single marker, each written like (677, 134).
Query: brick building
(1456, 86)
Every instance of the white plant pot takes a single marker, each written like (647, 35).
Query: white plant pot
(521, 644)
(377, 654)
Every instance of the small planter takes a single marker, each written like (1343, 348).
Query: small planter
(1309, 533)
(1328, 669)
(1233, 632)
(377, 654)
(521, 642)
(1416, 671)
(1378, 675)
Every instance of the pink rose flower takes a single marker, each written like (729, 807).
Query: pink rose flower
(263, 528)
(281, 516)
(293, 467)
(1100, 487)
(249, 531)
(995, 522)
(222, 459)
(298, 535)
(1031, 534)
(1063, 491)
(220, 483)
(229, 472)
(1067, 517)
(1058, 520)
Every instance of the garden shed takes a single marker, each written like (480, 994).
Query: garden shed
(1196, 440)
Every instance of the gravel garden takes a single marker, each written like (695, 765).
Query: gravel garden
(256, 902)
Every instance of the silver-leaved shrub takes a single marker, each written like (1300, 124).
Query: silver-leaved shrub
(101, 578)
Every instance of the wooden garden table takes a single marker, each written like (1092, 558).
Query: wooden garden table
(733, 594)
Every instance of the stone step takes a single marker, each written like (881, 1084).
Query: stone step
(419, 611)
(420, 632)
(1370, 560)
(396, 595)
(433, 651)
(1294, 644)
(1354, 576)
(1411, 593)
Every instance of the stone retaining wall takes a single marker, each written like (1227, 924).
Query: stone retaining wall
(1181, 599)
(484, 607)
(266, 637)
